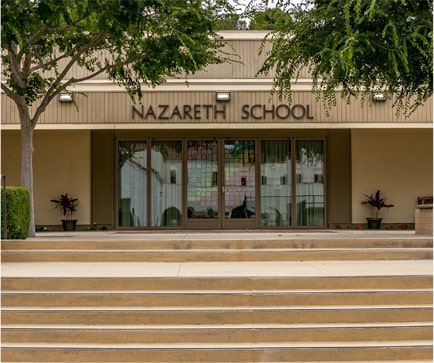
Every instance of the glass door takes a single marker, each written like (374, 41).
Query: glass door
(276, 183)
(166, 183)
(132, 184)
(221, 201)
(309, 184)
(203, 184)
(239, 184)
(211, 184)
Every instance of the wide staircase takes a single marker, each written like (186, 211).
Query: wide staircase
(284, 298)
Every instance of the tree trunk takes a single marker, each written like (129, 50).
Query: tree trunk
(27, 163)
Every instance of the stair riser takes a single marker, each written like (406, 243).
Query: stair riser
(215, 319)
(215, 256)
(217, 355)
(217, 244)
(229, 283)
(217, 335)
(215, 299)
(162, 317)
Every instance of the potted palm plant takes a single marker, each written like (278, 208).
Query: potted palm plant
(376, 203)
(68, 208)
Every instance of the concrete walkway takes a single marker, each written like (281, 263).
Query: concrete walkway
(225, 235)
(218, 269)
(214, 269)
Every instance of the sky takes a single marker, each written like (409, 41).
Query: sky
(271, 3)
(246, 2)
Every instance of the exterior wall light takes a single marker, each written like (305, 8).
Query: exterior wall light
(379, 96)
(222, 96)
(65, 97)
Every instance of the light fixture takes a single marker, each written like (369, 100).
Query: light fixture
(379, 96)
(65, 96)
(222, 96)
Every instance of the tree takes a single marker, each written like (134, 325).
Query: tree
(357, 46)
(143, 41)
(230, 22)
(229, 17)
(269, 19)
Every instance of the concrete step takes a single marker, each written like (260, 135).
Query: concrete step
(161, 316)
(200, 243)
(366, 299)
(226, 283)
(290, 352)
(228, 255)
(214, 299)
(248, 333)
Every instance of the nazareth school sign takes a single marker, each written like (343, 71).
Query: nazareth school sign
(210, 112)
(282, 111)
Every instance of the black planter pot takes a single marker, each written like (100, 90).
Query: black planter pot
(374, 223)
(69, 224)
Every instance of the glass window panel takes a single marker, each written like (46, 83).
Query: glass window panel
(310, 182)
(276, 183)
(132, 183)
(202, 167)
(239, 159)
(166, 183)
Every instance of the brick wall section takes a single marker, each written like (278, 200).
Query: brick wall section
(423, 220)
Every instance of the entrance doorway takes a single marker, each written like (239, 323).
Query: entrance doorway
(221, 183)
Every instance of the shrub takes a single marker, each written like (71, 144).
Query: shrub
(17, 212)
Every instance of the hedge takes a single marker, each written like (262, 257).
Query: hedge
(17, 212)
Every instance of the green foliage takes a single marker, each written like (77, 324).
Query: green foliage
(17, 212)
(269, 19)
(133, 42)
(143, 41)
(227, 15)
(356, 46)
(231, 21)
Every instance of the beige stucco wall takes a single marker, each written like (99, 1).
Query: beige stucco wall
(397, 162)
(11, 157)
(61, 165)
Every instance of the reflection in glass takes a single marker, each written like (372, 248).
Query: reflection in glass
(132, 183)
(166, 183)
(276, 183)
(239, 184)
(310, 182)
(202, 192)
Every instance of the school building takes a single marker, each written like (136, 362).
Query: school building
(221, 152)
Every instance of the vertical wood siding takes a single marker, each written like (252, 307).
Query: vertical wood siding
(244, 53)
(105, 108)
(108, 108)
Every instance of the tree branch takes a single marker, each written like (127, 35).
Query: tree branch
(51, 61)
(27, 64)
(46, 31)
(95, 40)
(8, 91)
(53, 89)
(90, 76)
(38, 35)
(14, 64)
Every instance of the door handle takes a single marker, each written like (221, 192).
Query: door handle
(223, 190)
